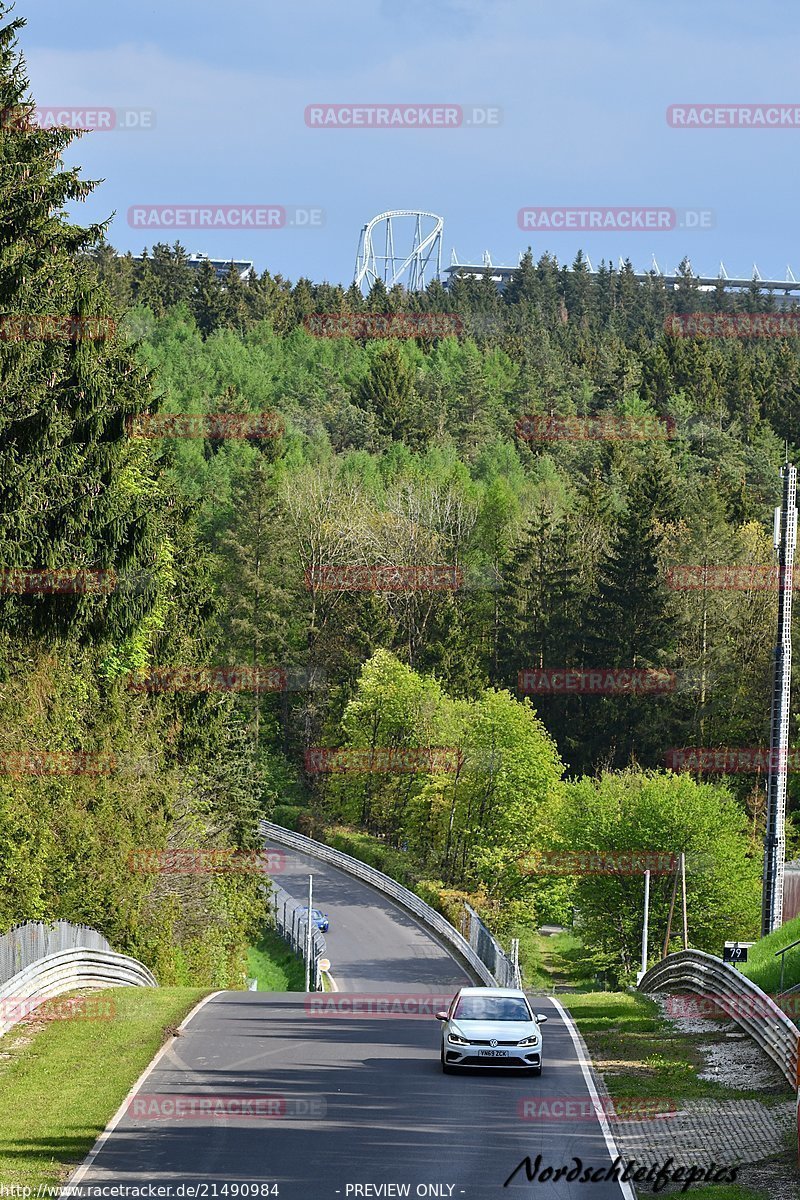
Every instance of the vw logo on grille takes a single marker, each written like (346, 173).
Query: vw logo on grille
(493, 1042)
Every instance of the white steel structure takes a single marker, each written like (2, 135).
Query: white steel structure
(420, 242)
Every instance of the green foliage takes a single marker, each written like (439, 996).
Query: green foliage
(469, 816)
(659, 815)
(79, 493)
(395, 456)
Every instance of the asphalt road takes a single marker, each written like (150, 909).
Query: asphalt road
(345, 1103)
(372, 944)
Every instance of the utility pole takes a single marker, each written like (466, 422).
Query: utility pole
(671, 910)
(308, 935)
(775, 835)
(683, 902)
(645, 923)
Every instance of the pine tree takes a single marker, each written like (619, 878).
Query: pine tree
(523, 286)
(630, 624)
(75, 490)
(208, 302)
(388, 392)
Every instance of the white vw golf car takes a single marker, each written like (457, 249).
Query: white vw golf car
(491, 1027)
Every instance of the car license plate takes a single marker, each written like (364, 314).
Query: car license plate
(492, 1054)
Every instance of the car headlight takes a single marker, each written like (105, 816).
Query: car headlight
(457, 1040)
(533, 1040)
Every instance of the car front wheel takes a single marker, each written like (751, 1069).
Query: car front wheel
(448, 1070)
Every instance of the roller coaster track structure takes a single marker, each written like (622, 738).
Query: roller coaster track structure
(407, 266)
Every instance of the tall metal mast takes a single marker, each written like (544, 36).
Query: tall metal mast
(775, 836)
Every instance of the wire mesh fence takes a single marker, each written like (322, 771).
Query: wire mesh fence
(489, 950)
(291, 922)
(25, 944)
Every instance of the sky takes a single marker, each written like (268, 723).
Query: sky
(560, 106)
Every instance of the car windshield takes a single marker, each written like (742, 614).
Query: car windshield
(492, 1008)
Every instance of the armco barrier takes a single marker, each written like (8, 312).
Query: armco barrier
(427, 915)
(26, 944)
(66, 971)
(702, 974)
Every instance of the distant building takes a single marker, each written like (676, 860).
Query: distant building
(221, 265)
(791, 890)
(786, 292)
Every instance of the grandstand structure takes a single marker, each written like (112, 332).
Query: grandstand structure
(221, 266)
(786, 292)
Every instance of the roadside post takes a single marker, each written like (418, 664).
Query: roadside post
(308, 934)
(782, 955)
(735, 952)
(645, 925)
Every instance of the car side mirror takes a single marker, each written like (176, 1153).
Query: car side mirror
(441, 1016)
(541, 1018)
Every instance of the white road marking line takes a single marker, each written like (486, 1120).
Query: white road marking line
(625, 1187)
(80, 1171)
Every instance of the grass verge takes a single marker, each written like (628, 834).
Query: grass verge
(61, 1081)
(553, 963)
(643, 1056)
(275, 965)
(726, 1191)
(765, 969)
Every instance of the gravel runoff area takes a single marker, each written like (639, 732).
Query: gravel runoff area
(747, 1132)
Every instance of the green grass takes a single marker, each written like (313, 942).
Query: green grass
(552, 963)
(276, 967)
(641, 1055)
(61, 1081)
(765, 969)
(725, 1191)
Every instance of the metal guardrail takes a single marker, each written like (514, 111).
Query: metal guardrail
(66, 971)
(742, 1000)
(429, 916)
(291, 923)
(26, 944)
